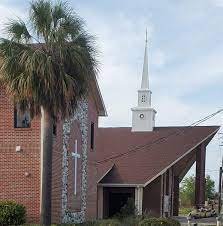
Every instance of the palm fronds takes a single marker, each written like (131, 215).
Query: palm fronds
(55, 70)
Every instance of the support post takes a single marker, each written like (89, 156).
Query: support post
(176, 189)
(220, 191)
(161, 195)
(200, 176)
(164, 194)
(170, 191)
(138, 199)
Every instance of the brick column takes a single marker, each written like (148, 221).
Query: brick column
(176, 196)
(200, 176)
(100, 202)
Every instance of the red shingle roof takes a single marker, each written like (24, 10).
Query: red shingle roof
(140, 156)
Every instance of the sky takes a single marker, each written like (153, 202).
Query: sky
(185, 58)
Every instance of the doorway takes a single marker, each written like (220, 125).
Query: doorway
(115, 199)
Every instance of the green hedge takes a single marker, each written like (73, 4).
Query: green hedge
(12, 213)
(159, 222)
(133, 222)
(108, 222)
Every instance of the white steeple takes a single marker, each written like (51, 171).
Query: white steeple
(143, 116)
(145, 76)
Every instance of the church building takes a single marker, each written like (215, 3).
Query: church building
(147, 163)
(96, 170)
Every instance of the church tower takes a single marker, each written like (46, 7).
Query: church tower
(143, 116)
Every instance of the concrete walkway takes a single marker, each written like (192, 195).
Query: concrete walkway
(200, 222)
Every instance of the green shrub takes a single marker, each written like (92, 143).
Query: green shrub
(88, 223)
(11, 213)
(109, 222)
(185, 211)
(131, 221)
(173, 222)
(159, 222)
(128, 209)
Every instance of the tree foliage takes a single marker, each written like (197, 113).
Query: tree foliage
(187, 190)
(47, 66)
(48, 61)
(12, 213)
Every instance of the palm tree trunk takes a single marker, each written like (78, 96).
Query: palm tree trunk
(46, 167)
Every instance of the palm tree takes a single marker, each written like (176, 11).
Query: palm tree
(46, 66)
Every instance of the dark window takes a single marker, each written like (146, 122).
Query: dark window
(143, 98)
(92, 135)
(21, 118)
(54, 129)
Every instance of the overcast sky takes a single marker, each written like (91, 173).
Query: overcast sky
(185, 57)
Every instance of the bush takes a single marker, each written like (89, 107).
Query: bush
(128, 209)
(159, 222)
(108, 222)
(185, 211)
(131, 221)
(11, 213)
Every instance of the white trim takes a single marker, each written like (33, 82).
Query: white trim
(143, 109)
(165, 169)
(121, 185)
(102, 101)
(139, 199)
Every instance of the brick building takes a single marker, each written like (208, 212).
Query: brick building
(20, 158)
(95, 170)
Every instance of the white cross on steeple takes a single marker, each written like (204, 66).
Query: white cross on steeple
(76, 156)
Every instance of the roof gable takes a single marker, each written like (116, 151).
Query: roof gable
(141, 157)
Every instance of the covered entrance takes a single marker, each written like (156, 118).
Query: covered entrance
(114, 198)
(153, 182)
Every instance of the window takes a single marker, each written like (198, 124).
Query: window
(143, 98)
(21, 119)
(92, 135)
(54, 129)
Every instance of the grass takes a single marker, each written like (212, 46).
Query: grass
(184, 211)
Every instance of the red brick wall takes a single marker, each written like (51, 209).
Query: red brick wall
(91, 212)
(14, 185)
(57, 174)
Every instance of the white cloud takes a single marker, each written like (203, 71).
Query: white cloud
(218, 3)
(6, 15)
(158, 59)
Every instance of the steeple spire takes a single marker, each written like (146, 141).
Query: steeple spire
(143, 116)
(145, 72)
